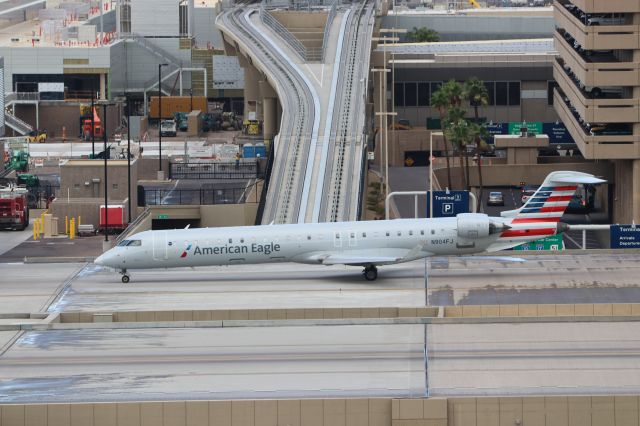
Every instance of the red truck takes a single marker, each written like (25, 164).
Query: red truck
(14, 210)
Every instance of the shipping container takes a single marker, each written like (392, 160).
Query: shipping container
(173, 104)
(116, 217)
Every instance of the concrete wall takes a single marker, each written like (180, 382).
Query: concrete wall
(205, 30)
(618, 410)
(76, 179)
(228, 215)
(474, 27)
(626, 196)
(55, 115)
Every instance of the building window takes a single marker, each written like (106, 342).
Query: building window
(502, 93)
(398, 94)
(125, 18)
(514, 93)
(114, 186)
(424, 97)
(410, 94)
(491, 90)
(183, 17)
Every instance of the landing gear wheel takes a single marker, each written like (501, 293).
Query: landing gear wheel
(370, 273)
(125, 279)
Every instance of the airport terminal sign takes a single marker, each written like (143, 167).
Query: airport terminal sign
(553, 242)
(449, 203)
(624, 236)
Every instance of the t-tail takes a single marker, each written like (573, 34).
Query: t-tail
(540, 215)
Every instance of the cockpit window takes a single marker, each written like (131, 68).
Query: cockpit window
(134, 243)
(123, 243)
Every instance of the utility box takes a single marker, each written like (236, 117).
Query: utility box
(194, 121)
(115, 215)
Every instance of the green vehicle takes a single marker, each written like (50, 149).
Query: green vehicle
(182, 123)
(19, 161)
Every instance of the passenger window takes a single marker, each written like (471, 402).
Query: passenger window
(433, 231)
(241, 240)
(364, 235)
(387, 233)
(422, 232)
(308, 237)
(399, 233)
(230, 240)
(410, 232)
(353, 235)
(134, 243)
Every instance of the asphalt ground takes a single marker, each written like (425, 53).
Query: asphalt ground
(57, 247)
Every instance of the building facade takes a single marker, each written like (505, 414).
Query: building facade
(598, 95)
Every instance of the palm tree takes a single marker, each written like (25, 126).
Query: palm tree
(423, 34)
(458, 134)
(455, 91)
(455, 118)
(476, 92)
(440, 100)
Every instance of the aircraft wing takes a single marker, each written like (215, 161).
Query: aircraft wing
(336, 259)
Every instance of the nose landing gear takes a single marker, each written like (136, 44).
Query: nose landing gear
(125, 276)
(370, 272)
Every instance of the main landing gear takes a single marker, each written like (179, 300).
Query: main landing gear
(125, 276)
(370, 272)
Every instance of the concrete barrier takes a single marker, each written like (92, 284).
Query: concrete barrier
(618, 410)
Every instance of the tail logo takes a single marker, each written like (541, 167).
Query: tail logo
(184, 253)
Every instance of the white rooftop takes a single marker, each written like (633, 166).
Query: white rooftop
(530, 46)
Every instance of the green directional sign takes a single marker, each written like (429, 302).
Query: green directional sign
(163, 216)
(549, 243)
(534, 127)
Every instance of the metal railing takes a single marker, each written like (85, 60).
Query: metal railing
(245, 169)
(201, 196)
(16, 124)
(301, 50)
(133, 225)
(12, 97)
(327, 26)
(265, 185)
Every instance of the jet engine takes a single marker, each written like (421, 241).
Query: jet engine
(473, 225)
(478, 225)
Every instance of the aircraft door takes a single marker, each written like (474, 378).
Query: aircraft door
(337, 239)
(160, 245)
(353, 238)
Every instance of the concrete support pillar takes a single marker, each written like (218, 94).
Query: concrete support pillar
(103, 86)
(635, 192)
(270, 119)
(252, 91)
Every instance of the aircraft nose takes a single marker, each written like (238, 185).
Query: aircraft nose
(104, 259)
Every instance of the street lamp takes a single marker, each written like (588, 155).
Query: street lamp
(160, 116)
(381, 126)
(431, 171)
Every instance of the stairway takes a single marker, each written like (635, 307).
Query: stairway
(16, 124)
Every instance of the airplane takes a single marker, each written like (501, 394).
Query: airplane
(368, 244)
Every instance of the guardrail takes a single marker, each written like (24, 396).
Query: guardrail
(269, 20)
(201, 196)
(327, 26)
(245, 169)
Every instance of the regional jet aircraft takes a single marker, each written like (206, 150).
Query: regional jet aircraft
(368, 244)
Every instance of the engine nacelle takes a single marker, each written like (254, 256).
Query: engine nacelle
(473, 225)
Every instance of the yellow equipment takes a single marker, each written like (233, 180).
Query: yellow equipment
(475, 4)
(37, 136)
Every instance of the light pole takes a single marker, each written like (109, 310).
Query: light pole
(126, 97)
(431, 171)
(385, 113)
(105, 155)
(160, 116)
(381, 127)
(93, 126)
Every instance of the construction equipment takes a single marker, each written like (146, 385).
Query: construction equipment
(39, 136)
(97, 126)
(182, 123)
(14, 211)
(475, 4)
(19, 161)
(173, 104)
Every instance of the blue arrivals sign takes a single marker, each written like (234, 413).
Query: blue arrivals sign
(557, 133)
(449, 203)
(624, 236)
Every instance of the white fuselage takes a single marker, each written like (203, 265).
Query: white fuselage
(359, 243)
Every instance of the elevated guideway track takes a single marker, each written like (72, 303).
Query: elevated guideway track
(319, 150)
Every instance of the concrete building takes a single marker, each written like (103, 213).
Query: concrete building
(598, 94)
